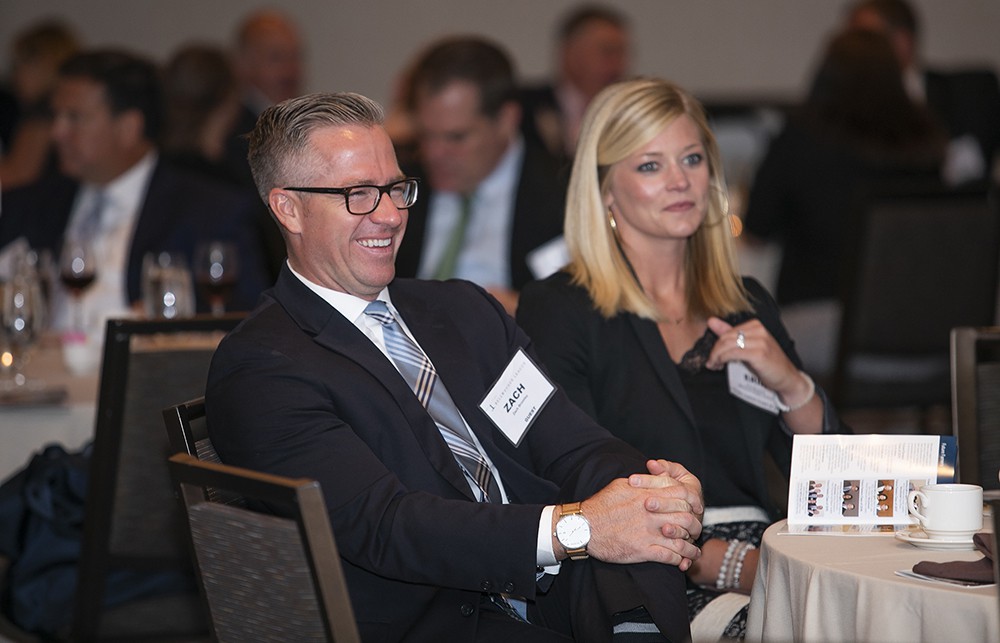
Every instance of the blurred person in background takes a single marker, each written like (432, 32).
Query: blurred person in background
(489, 198)
(594, 50)
(857, 130)
(117, 192)
(642, 326)
(36, 54)
(966, 102)
(201, 94)
(269, 65)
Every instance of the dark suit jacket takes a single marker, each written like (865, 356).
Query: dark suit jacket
(618, 370)
(298, 390)
(179, 210)
(967, 102)
(538, 217)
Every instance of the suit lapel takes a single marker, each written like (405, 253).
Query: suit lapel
(337, 334)
(659, 357)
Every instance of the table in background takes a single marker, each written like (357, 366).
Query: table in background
(812, 587)
(26, 429)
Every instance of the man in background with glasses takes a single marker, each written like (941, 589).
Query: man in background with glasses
(471, 501)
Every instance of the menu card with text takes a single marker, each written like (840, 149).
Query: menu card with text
(859, 483)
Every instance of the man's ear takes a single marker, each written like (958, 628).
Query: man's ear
(131, 126)
(509, 118)
(287, 209)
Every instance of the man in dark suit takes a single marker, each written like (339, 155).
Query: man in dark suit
(318, 382)
(116, 190)
(492, 199)
(965, 101)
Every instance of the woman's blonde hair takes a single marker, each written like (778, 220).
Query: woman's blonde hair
(620, 120)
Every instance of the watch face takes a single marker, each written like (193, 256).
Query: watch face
(573, 531)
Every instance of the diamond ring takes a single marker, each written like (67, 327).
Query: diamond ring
(741, 340)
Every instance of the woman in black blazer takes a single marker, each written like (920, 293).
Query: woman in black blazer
(644, 323)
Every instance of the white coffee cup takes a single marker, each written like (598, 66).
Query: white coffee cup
(948, 511)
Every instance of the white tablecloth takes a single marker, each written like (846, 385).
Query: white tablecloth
(811, 587)
(25, 430)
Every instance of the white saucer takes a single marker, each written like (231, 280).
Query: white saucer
(918, 538)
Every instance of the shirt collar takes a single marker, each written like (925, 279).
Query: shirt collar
(351, 307)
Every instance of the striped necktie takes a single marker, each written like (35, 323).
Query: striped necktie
(419, 373)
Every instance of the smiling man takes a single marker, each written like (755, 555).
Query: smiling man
(446, 503)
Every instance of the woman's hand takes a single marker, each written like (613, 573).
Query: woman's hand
(751, 343)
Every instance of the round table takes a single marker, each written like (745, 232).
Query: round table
(812, 587)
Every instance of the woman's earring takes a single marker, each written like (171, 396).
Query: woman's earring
(611, 220)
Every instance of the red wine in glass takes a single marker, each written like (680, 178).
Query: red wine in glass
(216, 273)
(77, 271)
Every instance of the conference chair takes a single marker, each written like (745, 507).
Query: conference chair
(918, 265)
(975, 408)
(133, 552)
(264, 577)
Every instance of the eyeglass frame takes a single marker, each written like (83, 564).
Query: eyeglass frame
(346, 193)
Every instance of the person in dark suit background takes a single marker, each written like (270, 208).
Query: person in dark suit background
(492, 199)
(594, 49)
(201, 95)
(107, 108)
(643, 326)
(965, 101)
(269, 62)
(856, 133)
(312, 385)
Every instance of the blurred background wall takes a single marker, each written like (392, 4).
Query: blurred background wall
(716, 48)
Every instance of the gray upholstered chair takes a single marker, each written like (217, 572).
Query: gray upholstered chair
(264, 576)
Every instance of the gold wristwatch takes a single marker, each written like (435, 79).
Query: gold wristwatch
(573, 530)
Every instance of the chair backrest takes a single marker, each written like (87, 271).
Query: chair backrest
(265, 577)
(975, 403)
(133, 522)
(918, 266)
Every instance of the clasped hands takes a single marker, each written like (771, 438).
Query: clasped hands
(654, 517)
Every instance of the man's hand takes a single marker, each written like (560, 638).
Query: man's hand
(651, 517)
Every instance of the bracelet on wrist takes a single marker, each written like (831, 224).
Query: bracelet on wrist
(739, 564)
(810, 394)
(724, 568)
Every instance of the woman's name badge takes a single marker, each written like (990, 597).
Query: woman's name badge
(744, 384)
(518, 395)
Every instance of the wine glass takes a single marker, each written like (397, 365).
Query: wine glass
(22, 316)
(77, 271)
(216, 269)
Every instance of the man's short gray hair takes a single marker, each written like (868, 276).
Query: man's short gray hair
(278, 140)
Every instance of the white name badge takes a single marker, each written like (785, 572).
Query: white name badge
(518, 396)
(744, 384)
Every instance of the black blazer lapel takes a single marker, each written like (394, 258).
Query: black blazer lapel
(659, 357)
(335, 333)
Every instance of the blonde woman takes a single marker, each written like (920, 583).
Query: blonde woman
(642, 326)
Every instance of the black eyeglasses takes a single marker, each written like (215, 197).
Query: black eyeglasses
(363, 199)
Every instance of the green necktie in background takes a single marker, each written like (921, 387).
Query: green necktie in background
(449, 259)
